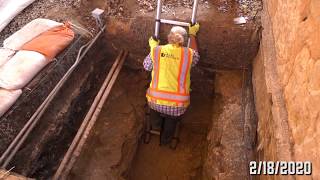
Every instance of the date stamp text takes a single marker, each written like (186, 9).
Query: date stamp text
(280, 168)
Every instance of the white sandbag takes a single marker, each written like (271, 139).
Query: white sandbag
(5, 55)
(10, 9)
(21, 68)
(7, 99)
(28, 32)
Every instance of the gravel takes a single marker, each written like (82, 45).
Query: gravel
(167, 5)
(249, 8)
(243, 8)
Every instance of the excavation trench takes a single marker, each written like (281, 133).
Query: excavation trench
(217, 134)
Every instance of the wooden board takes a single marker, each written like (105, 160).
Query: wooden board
(5, 175)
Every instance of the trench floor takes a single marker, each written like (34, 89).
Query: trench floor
(162, 163)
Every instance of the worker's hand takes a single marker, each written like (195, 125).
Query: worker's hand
(153, 42)
(193, 29)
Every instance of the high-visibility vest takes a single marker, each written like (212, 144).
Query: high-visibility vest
(170, 83)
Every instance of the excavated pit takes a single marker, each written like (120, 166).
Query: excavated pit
(219, 131)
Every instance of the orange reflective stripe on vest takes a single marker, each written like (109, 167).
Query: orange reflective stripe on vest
(184, 66)
(168, 96)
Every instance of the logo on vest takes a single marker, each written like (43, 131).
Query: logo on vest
(167, 55)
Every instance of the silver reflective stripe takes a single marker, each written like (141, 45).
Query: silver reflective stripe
(156, 54)
(168, 96)
(184, 70)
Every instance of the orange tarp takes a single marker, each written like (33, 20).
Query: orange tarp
(51, 42)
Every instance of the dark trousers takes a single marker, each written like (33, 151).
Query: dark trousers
(165, 124)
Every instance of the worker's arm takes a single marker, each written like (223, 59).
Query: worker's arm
(148, 63)
(153, 42)
(193, 30)
(193, 42)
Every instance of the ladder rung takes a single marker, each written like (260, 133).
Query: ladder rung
(172, 22)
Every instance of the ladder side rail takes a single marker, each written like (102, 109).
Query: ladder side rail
(158, 16)
(193, 17)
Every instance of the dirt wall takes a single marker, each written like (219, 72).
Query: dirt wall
(286, 83)
(115, 135)
(232, 134)
(222, 44)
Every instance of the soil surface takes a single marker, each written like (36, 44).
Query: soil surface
(79, 11)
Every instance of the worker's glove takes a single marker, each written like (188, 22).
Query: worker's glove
(193, 29)
(153, 42)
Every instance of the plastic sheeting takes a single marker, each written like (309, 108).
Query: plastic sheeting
(51, 42)
(5, 55)
(7, 99)
(21, 69)
(29, 32)
(10, 9)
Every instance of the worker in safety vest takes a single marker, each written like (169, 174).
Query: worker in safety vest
(169, 91)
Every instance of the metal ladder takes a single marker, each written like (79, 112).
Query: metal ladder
(172, 22)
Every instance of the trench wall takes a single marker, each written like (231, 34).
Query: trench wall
(222, 44)
(286, 83)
